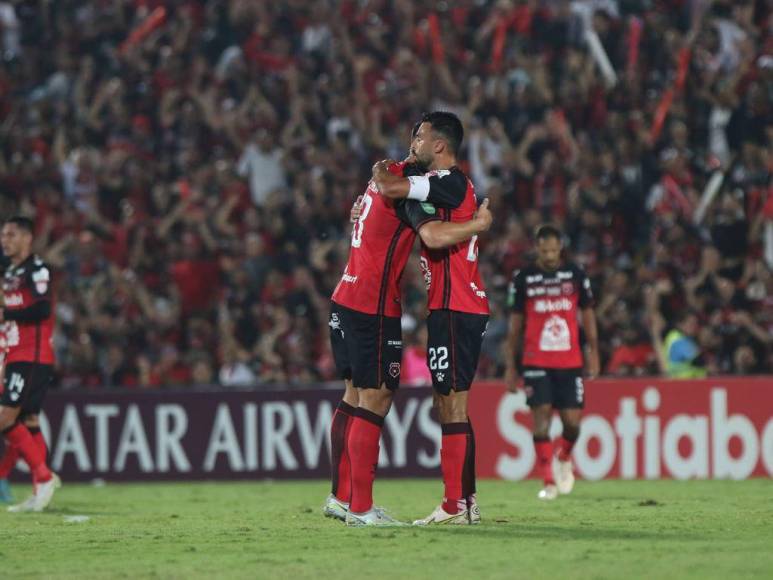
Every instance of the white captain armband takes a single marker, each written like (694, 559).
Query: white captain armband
(419, 187)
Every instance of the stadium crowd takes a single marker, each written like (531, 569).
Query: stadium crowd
(191, 165)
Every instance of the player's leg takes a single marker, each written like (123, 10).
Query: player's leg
(539, 397)
(337, 502)
(454, 341)
(376, 349)
(24, 391)
(569, 401)
(8, 461)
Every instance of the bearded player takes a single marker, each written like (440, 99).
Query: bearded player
(546, 301)
(456, 300)
(29, 321)
(366, 339)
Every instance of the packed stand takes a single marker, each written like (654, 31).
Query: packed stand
(191, 166)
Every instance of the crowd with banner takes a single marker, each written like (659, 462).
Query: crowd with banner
(191, 165)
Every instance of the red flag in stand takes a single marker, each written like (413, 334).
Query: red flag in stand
(634, 38)
(153, 21)
(498, 44)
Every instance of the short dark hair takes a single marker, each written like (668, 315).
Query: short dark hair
(415, 129)
(22, 222)
(448, 125)
(547, 231)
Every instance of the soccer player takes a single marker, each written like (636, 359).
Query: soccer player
(366, 339)
(545, 300)
(456, 300)
(29, 320)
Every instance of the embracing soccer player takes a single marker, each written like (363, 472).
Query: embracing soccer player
(366, 339)
(28, 315)
(545, 300)
(456, 300)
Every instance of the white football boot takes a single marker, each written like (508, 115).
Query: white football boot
(548, 493)
(45, 492)
(440, 516)
(25, 506)
(473, 509)
(564, 475)
(335, 508)
(373, 517)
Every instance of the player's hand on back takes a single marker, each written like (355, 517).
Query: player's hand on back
(382, 166)
(354, 214)
(483, 216)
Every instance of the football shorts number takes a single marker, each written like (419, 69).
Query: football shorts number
(15, 386)
(438, 358)
(359, 226)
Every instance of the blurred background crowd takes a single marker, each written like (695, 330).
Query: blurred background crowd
(191, 166)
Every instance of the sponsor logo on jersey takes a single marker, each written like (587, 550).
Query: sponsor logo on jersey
(478, 292)
(348, 278)
(428, 207)
(562, 305)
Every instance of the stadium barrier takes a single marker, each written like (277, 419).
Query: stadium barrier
(639, 428)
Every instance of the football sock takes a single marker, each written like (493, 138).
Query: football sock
(566, 443)
(18, 435)
(468, 475)
(340, 466)
(453, 453)
(40, 441)
(363, 443)
(8, 461)
(544, 448)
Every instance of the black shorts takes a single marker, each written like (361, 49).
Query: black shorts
(367, 348)
(562, 388)
(453, 348)
(25, 385)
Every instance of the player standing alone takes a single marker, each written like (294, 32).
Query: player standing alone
(456, 300)
(29, 322)
(545, 299)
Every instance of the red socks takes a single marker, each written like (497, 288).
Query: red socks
(364, 435)
(453, 457)
(19, 436)
(340, 464)
(8, 461)
(565, 447)
(544, 448)
(468, 474)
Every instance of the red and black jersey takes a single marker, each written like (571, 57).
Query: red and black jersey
(451, 274)
(549, 302)
(381, 245)
(29, 312)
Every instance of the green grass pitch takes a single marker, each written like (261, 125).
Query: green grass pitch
(612, 529)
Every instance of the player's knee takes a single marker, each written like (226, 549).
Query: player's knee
(571, 431)
(8, 417)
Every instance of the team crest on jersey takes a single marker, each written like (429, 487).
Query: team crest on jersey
(428, 207)
(394, 370)
(567, 288)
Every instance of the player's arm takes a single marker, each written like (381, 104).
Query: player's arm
(437, 234)
(444, 189)
(40, 309)
(588, 320)
(592, 337)
(516, 302)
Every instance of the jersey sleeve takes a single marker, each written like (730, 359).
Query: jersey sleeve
(415, 214)
(445, 188)
(586, 299)
(40, 282)
(516, 294)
